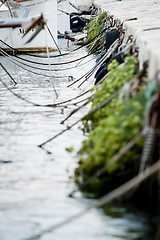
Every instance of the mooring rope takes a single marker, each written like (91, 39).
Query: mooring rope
(16, 62)
(100, 106)
(54, 70)
(54, 56)
(8, 73)
(118, 192)
(57, 64)
(72, 99)
(50, 67)
(89, 99)
(39, 68)
(53, 38)
(83, 118)
(52, 105)
(18, 96)
(110, 163)
(109, 52)
(76, 110)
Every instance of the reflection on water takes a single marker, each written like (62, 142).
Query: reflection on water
(34, 185)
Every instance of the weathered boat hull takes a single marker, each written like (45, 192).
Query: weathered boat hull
(44, 39)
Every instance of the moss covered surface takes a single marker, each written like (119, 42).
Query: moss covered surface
(110, 129)
(95, 27)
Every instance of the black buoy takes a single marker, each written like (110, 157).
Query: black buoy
(102, 71)
(77, 23)
(111, 37)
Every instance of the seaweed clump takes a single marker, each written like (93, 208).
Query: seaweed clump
(95, 27)
(110, 129)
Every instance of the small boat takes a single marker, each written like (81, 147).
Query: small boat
(46, 40)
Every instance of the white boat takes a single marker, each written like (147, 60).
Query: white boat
(29, 9)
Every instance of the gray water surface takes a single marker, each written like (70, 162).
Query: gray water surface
(34, 185)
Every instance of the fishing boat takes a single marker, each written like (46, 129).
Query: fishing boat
(46, 40)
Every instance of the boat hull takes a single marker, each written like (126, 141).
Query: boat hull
(44, 40)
